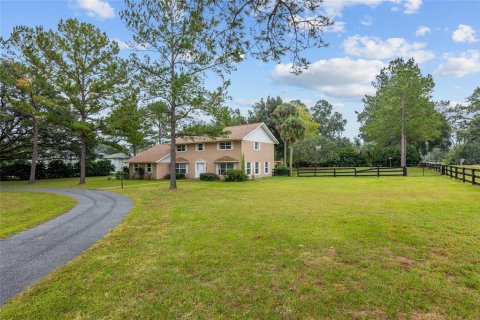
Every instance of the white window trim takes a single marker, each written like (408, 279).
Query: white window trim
(182, 163)
(231, 145)
(151, 168)
(218, 167)
(248, 168)
(266, 167)
(135, 167)
(196, 147)
(186, 147)
(255, 168)
(254, 143)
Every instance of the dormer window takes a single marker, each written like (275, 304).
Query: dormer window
(181, 148)
(200, 147)
(256, 145)
(225, 145)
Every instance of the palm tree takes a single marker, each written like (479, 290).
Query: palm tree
(281, 113)
(292, 130)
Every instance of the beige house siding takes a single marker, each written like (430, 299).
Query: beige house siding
(265, 154)
(241, 137)
(208, 155)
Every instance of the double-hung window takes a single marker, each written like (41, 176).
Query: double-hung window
(267, 167)
(135, 167)
(181, 168)
(222, 167)
(248, 168)
(256, 145)
(225, 145)
(200, 147)
(181, 147)
(257, 168)
(149, 168)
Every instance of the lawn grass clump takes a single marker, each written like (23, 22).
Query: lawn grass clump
(21, 210)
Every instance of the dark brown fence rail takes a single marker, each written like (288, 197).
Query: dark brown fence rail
(464, 174)
(351, 172)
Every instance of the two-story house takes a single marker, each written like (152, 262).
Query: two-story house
(254, 142)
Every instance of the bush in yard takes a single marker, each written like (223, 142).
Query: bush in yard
(179, 176)
(123, 172)
(235, 175)
(100, 168)
(281, 171)
(17, 169)
(61, 169)
(207, 176)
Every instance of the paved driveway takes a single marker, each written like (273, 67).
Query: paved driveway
(28, 256)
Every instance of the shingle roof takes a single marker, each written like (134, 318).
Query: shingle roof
(226, 159)
(235, 133)
(119, 155)
(151, 155)
(181, 159)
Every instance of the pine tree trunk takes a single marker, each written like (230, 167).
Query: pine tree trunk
(33, 167)
(291, 157)
(173, 150)
(83, 157)
(403, 139)
(284, 153)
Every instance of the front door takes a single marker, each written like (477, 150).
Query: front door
(200, 167)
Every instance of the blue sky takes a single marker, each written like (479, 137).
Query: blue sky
(443, 36)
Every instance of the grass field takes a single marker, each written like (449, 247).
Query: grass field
(20, 210)
(280, 248)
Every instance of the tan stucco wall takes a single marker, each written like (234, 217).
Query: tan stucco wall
(209, 155)
(265, 154)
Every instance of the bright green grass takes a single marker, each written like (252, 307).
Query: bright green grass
(20, 210)
(299, 248)
(92, 183)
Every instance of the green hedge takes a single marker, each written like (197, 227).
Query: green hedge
(207, 176)
(235, 176)
(179, 176)
(20, 169)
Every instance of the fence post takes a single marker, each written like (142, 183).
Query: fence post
(456, 173)
(463, 174)
(473, 177)
(355, 171)
(378, 172)
(334, 172)
(451, 172)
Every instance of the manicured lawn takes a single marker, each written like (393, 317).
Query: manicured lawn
(299, 248)
(20, 210)
(92, 183)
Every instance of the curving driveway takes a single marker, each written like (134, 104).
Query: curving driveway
(30, 255)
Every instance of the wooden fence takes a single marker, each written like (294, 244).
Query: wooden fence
(464, 174)
(351, 172)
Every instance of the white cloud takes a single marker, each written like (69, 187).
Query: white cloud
(459, 65)
(337, 77)
(412, 6)
(464, 33)
(375, 48)
(97, 8)
(366, 21)
(422, 30)
(338, 26)
(335, 8)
